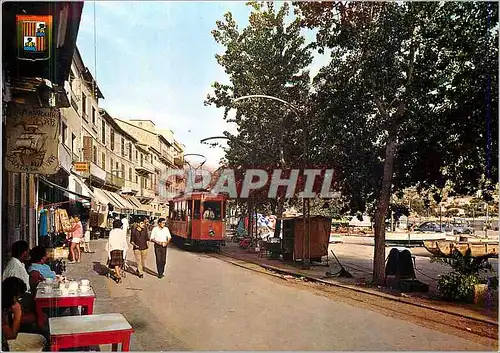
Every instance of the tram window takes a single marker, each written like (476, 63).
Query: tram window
(211, 210)
(197, 206)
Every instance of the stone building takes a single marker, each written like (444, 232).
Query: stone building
(34, 76)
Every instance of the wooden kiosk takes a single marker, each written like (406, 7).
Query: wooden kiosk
(293, 238)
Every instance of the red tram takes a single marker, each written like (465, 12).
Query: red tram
(198, 219)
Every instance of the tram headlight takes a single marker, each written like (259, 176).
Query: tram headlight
(211, 233)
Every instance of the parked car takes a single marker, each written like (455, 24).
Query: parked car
(434, 227)
(461, 228)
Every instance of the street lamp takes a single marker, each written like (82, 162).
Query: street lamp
(214, 138)
(305, 201)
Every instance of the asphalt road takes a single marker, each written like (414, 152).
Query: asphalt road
(204, 303)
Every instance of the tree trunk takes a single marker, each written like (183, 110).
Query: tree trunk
(279, 213)
(380, 214)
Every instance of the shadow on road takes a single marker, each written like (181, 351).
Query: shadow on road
(132, 266)
(100, 269)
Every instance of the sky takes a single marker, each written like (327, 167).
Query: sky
(156, 61)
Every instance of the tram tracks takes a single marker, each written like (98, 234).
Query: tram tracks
(468, 327)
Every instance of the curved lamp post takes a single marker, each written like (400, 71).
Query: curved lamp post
(214, 138)
(305, 201)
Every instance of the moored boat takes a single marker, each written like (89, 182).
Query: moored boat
(446, 248)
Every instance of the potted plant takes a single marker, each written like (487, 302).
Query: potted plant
(464, 283)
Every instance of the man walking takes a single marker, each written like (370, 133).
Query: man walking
(139, 240)
(160, 236)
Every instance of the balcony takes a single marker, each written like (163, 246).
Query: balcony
(159, 165)
(99, 176)
(144, 168)
(167, 158)
(146, 193)
(130, 187)
(179, 162)
(65, 158)
(114, 180)
(90, 170)
(74, 100)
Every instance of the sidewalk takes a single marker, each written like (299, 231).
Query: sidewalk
(89, 269)
(127, 298)
(360, 268)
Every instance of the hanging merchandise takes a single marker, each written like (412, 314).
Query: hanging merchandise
(63, 223)
(52, 220)
(43, 222)
(94, 219)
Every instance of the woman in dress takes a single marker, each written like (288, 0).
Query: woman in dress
(117, 249)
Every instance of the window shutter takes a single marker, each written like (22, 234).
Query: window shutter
(87, 148)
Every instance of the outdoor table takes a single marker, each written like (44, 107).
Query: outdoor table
(56, 299)
(90, 330)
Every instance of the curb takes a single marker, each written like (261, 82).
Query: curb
(359, 290)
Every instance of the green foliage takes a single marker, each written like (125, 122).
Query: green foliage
(411, 74)
(457, 286)
(430, 62)
(327, 208)
(268, 57)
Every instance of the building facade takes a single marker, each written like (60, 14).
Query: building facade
(118, 158)
(34, 79)
(159, 152)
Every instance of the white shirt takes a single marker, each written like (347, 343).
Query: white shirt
(160, 234)
(125, 224)
(117, 240)
(15, 268)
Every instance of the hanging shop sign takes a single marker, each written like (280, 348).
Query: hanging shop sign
(32, 135)
(34, 37)
(81, 167)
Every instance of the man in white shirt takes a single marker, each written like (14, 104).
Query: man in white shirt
(16, 266)
(125, 224)
(160, 236)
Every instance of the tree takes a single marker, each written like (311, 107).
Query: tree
(268, 57)
(404, 99)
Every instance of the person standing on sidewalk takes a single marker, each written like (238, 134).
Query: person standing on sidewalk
(139, 239)
(160, 236)
(77, 234)
(125, 224)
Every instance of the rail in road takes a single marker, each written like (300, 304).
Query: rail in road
(394, 306)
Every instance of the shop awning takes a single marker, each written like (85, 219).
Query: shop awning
(79, 197)
(85, 190)
(141, 209)
(104, 199)
(125, 206)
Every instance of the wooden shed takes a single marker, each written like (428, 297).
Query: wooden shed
(293, 238)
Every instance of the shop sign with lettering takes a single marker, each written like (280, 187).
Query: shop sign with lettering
(32, 135)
